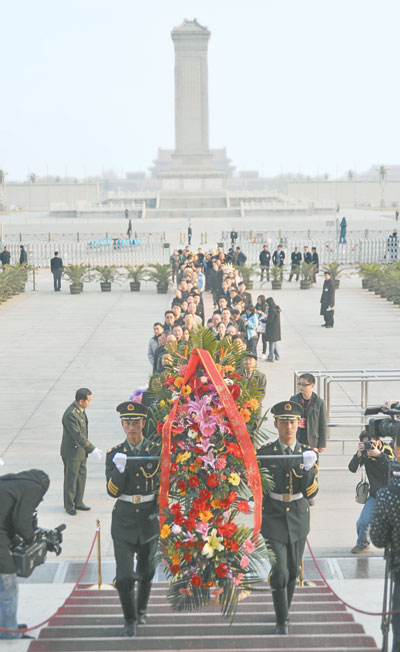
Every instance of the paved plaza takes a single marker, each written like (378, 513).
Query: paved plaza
(53, 343)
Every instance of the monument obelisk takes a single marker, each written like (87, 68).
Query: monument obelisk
(192, 172)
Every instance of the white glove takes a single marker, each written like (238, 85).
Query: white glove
(96, 453)
(1, 462)
(119, 460)
(309, 457)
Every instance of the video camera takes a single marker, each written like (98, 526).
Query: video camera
(27, 556)
(385, 426)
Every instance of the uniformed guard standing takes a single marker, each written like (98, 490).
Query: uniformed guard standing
(286, 515)
(75, 447)
(134, 526)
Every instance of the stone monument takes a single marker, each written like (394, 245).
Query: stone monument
(191, 180)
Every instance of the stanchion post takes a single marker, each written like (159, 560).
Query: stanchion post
(99, 579)
(301, 578)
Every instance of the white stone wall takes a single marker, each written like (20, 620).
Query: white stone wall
(346, 193)
(39, 197)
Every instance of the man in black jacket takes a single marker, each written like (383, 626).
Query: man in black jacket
(23, 256)
(134, 525)
(56, 266)
(313, 424)
(20, 494)
(295, 266)
(315, 262)
(374, 456)
(328, 300)
(278, 259)
(5, 256)
(385, 532)
(265, 259)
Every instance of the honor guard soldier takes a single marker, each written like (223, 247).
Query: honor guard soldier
(134, 525)
(286, 510)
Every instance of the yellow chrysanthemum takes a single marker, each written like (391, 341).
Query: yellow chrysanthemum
(186, 390)
(234, 479)
(162, 403)
(253, 404)
(182, 457)
(165, 531)
(205, 516)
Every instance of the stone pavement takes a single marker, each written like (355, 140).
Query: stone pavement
(53, 343)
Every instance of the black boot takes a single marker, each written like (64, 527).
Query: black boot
(127, 599)
(280, 601)
(144, 589)
(290, 590)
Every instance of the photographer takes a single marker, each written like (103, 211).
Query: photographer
(20, 494)
(385, 531)
(374, 456)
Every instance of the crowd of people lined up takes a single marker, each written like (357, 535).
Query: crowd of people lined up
(233, 315)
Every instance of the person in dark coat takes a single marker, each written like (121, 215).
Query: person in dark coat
(313, 424)
(385, 533)
(278, 259)
(273, 330)
(286, 510)
(56, 266)
(307, 257)
(239, 258)
(20, 494)
(343, 229)
(129, 230)
(234, 236)
(295, 266)
(23, 256)
(315, 262)
(75, 448)
(328, 301)
(189, 232)
(134, 526)
(5, 256)
(265, 259)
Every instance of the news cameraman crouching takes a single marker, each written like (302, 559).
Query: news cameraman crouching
(374, 456)
(20, 494)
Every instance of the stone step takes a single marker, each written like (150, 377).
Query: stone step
(157, 600)
(333, 643)
(243, 607)
(219, 630)
(200, 618)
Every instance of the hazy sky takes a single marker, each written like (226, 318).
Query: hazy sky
(307, 86)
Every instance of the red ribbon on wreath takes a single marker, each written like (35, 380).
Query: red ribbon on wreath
(239, 429)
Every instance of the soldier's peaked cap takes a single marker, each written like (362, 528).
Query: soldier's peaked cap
(287, 410)
(131, 411)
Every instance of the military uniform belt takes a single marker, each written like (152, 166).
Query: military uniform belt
(285, 498)
(136, 498)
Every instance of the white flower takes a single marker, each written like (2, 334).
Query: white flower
(213, 544)
(229, 381)
(176, 529)
(192, 433)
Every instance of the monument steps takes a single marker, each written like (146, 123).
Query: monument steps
(91, 620)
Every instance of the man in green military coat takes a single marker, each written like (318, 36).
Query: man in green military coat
(286, 509)
(75, 447)
(134, 526)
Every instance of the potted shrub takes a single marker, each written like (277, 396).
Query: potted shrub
(277, 273)
(247, 273)
(335, 270)
(306, 275)
(76, 274)
(368, 271)
(106, 275)
(137, 273)
(160, 275)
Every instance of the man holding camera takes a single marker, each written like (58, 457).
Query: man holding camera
(134, 526)
(20, 494)
(385, 532)
(374, 456)
(286, 510)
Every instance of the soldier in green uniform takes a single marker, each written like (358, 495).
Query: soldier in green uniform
(75, 447)
(286, 510)
(134, 526)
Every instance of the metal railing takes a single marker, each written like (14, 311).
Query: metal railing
(361, 250)
(40, 253)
